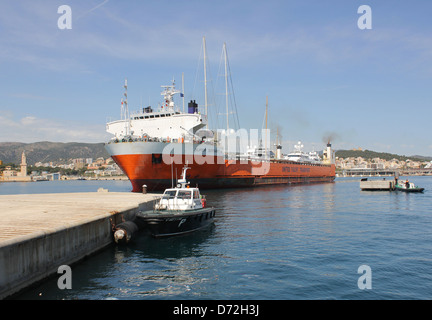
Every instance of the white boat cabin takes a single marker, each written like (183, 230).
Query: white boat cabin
(406, 184)
(181, 198)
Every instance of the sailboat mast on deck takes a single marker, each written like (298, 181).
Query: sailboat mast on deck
(266, 116)
(183, 92)
(205, 80)
(226, 86)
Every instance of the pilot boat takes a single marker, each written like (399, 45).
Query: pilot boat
(407, 186)
(180, 210)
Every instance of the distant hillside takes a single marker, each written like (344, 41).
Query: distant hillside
(10, 152)
(367, 154)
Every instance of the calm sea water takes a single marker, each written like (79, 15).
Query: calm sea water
(290, 242)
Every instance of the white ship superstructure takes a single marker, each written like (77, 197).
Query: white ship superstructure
(299, 156)
(166, 123)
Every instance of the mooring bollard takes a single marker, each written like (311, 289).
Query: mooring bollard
(144, 189)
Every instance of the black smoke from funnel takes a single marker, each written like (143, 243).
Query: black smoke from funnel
(329, 137)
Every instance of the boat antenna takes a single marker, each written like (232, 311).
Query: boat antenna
(172, 175)
(183, 182)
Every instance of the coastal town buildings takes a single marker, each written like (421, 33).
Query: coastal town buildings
(106, 168)
(99, 168)
(377, 163)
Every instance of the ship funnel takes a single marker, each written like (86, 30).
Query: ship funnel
(328, 154)
(278, 151)
(192, 107)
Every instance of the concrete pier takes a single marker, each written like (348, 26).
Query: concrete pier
(374, 185)
(40, 232)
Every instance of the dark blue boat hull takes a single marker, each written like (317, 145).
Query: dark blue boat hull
(164, 224)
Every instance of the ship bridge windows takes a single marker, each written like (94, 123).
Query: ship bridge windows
(153, 116)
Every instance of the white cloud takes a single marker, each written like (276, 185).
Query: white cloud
(33, 129)
(102, 30)
(29, 120)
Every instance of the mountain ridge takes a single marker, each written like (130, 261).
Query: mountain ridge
(46, 151)
(368, 154)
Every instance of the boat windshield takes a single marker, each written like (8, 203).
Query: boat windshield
(184, 194)
(169, 194)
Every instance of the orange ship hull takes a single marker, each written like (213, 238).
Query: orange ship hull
(150, 170)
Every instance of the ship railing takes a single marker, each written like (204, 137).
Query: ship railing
(256, 158)
(246, 157)
(145, 138)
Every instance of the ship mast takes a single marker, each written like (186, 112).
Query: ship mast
(229, 90)
(125, 110)
(205, 81)
(266, 115)
(168, 93)
(182, 93)
(226, 86)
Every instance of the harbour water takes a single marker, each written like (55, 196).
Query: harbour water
(268, 243)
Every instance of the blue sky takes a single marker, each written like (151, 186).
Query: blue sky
(322, 74)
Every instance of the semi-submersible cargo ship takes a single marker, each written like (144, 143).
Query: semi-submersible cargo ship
(153, 146)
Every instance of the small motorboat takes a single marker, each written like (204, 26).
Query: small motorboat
(407, 186)
(180, 210)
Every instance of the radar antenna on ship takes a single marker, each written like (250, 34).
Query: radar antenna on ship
(125, 110)
(168, 94)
